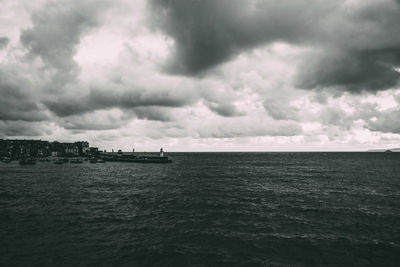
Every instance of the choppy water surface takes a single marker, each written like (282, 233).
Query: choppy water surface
(205, 209)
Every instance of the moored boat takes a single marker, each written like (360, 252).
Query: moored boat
(76, 160)
(27, 161)
(6, 159)
(59, 161)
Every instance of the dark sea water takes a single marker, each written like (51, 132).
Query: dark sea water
(205, 209)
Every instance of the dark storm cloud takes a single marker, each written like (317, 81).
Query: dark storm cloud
(16, 102)
(96, 123)
(103, 99)
(224, 109)
(21, 128)
(57, 29)
(105, 120)
(102, 120)
(360, 54)
(152, 113)
(209, 32)
(358, 44)
(355, 71)
(4, 42)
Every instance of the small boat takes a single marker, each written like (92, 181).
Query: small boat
(58, 161)
(27, 161)
(93, 160)
(101, 161)
(76, 160)
(6, 159)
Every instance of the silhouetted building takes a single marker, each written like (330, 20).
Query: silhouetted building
(71, 149)
(93, 151)
(57, 149)
(37, 148)
(24, 148)
(83, 148)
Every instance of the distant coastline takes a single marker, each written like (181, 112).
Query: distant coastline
(385, 150)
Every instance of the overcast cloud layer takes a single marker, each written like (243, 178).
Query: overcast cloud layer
(202, 75)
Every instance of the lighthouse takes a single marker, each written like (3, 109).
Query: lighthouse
(161, 153)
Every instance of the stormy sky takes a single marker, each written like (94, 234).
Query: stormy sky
(202, 75)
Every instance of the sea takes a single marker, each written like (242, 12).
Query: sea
(204, 209)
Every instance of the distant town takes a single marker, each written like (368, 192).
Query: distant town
(28, 151)
(17, 149)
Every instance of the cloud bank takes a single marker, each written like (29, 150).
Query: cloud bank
(296, 73)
